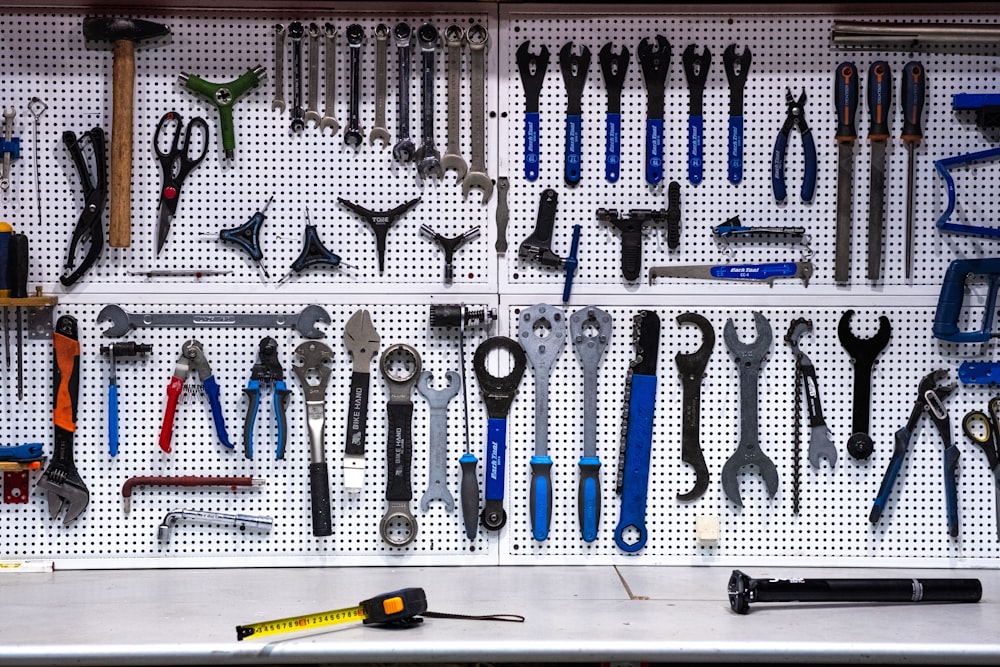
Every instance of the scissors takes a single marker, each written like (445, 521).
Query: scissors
(984, 430)
(176, 163)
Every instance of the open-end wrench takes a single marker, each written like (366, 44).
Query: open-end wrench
(312, 114)
(398, 526)
(532, 69)
(749, 358)
(404, 149)
(479, 39)
(696, 71)
(361, 340)
(279, 68)
(655, 63)
(574, 70)
(590, 329)
(691, 366)
(380, 131)
(864, 352)
(541, 330)
(329, 119)
(437, 448)
(614, 68)
(820, 439)
(295, 33)
(353, 136)
(304, 322)
(737, 68)
(314, 375)
(428, 156)
(454, 39)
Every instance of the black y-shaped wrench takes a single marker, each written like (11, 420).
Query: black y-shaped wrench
(692, 369)
(864, 352)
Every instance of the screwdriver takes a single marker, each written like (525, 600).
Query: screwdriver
(17, 276)
(5, 232)
(914, 88)
(845, 95)
(879, 104)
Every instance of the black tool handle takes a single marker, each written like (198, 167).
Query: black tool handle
(879, 100)
(400, 451)
(319, 488)
(845, 94)
(912, 98)
(674, 215)
(632, 253)
(470, 494)
(357, 414)
(17, 266)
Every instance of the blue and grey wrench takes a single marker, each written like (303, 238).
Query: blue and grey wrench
(574, 72)
(532, 68)
(737, 69)
(696, 71)
(614, 68)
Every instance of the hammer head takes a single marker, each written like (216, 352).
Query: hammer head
(117, 29)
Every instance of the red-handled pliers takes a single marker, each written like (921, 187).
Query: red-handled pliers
(192, 359)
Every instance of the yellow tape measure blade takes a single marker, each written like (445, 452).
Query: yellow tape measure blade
(299, 623)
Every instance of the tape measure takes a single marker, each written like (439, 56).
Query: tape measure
(400, 607)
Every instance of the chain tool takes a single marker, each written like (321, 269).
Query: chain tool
(400, 366)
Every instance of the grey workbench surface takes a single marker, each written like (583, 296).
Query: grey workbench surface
(573, 614)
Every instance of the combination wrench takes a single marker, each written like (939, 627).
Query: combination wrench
(590, 329)
(304, 322)
(454, 39)
(314, 375)
(541, 330)
(329, 119)
(279, 68)
(295, 33)
(353, 135)
(479, 39)
(404, 149)
(380, 131)
(400, 365)
(312, 114)
(437, 449)
(428, 156)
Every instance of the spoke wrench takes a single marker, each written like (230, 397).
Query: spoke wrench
(541, 330)
(362, 341)
(454, 39)
(477, 177)
(532, 69)
(437, 448)
(315, 358)
(428, 156)
(329, 119)
(696, 72)
(574, 72)
(404, 149)
(590, 329)
(398, 526)
(864, 352)
(295, 33)
(691, 366)
(380, 131)
(498, 394)
(353, 136)
(749, 358)
(654, 60)
(614, 68)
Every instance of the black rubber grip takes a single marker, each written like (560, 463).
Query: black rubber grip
(674, 215)
(357, 415)
(319, 487)
(400, 451)
(470, 495)
(631, 254)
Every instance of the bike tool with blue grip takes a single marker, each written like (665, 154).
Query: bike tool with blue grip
(637, 432)
(930, 399)
(498, 394)
(654, 59)
(590, 329)
(538, 246)
(574, 70)
(614, 68)
(89, 227)
(267, 372)
(737, 68)
(247, 237)
(541, 330)
(532, 68)
(984, 431)
(631, 227)
(192, 358)
(114, 352)
(696, 69)
(949, 306)
(795, 117)
(314, 253)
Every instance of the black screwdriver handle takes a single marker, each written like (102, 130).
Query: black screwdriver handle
(17, 266)
(845, 95)
(470, 494)
(879, 100)
(912, 98)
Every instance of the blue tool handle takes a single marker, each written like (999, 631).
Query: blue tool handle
(778, 167)
(951, 455)
(654, 150)
(470, 494)
(113, 420)
(754, 271)
(496, 457)
(26, 452)
(696, 149)
(13, 147)
(809, 177)
(540, 500)
(319, 491)
(638, 447)
(571, 262)
(949, 305)
(280, 400)
(252, 391)
(574, 141)
(589, 499)
(735, 174)
(212, 391)
(979, 372)
(613, 147)
(895, 463)
(531, 148)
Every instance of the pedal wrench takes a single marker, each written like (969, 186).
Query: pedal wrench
(312, 114)
(614, 69)
(477, 177)
(304, 322)
(532, 70)
(542, 353)
(454, 38)
(820, 439)
(437, 449)
(749, 358)
(279, 68)
(864, 352)
(353, 136)
(380, 131)
(590, 349)
(404, 149)
(428, 156)
(691, 366)
(329, 120)
(574, 70)
(399, 411)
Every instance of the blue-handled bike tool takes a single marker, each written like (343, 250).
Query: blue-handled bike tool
(949, 306)
(795, 116)
(247, 237)
(532, 68)
(654, 59)
(737, 69)
(267, 372)
(696, 69)
(574, 72)
(538, 246)
(614, 68)
(114, 352)
(944, 167)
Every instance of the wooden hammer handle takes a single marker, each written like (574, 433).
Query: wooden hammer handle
(123, 90)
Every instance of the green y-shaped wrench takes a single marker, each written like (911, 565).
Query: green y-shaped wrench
(224, 96)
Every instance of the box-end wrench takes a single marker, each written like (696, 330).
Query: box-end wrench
(329, 119)
(437, 448)
(123, 322)
(541, 330)
(380, 131)
(691, 367)
(454, 39)
(864, 352)
(590, 329)
(479, 39)
(353, 136)
(748, 358)
(400, 365)
(279, 68)
(404, 149)
(312, 114)
(314, 375)
(428, 156)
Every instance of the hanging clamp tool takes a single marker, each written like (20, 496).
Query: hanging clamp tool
(10, 146)
(631, 227)
(314, 253)
(380, 222)
(795, 116)
(984, 430)
(314, 375)
(361, 340)
(654, 60)
(247, 237)
(930, 398)
(538, 246)
(737, 69)
(531, 67)
(89, 227)
(696, 71)
(574, 73)
(223, 96)
(192, 358)
(615, 69)
(949, 306)
(114, 352)
(267, 371)
(449, 245)
(691, 367)
(61, 482)
(400, 366)
(176, 163)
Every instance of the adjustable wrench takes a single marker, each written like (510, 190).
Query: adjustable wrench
(329, 120)
(379, 131)
(362, 341)
(590, 329)
(279, 68)
(428, 156)
(353, 136)
(691, 367)
(404, 149)
(398, 526)
(864, 352)
(454, 38)
(304, 322)
(312, 115)
(295, 33)
(315, 358)
(541, 330)
(477, 177)
(748, 359)
(437, 449)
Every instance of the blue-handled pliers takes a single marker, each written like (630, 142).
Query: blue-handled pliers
(795, 116)
(266, 371)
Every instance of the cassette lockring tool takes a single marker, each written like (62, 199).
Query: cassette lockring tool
(400, 366)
